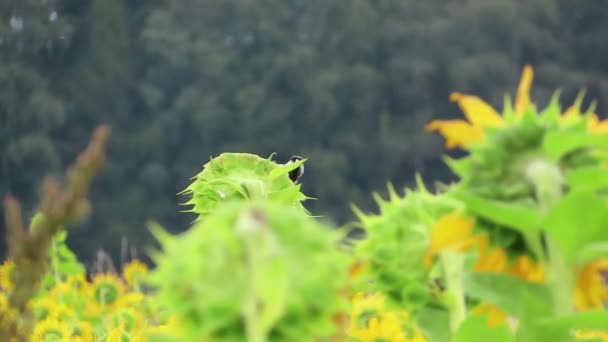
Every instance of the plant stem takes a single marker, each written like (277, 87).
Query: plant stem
(548, 182)
(560, 280)
(453, 265)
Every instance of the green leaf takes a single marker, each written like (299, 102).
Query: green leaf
(475, 328)
(577, 220)
(588, 178)
(517, 297)
(514, 216)
(557, 144)
(435, 324)
(592, 251)
(563, 328)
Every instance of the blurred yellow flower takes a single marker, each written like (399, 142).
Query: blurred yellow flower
(7, 313)
(134, 272)
(6, 271)
(454, 232)
(526, 269)
(115, 334)
(371, 322)
(107, 289)
(51, 330)
(591, 291)
(83, 332)
(364, 306)
(389, 327)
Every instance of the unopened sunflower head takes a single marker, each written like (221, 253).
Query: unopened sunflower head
(399, 241)
(259, 258)
(234, 176)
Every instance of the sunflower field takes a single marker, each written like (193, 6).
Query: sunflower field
(515, 250)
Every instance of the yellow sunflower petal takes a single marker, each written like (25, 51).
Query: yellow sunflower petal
(594, 125)
(451, 231)
(591, 291)
(525, 268)
(493, 261)
(457, 133)
(478, 112)
(523, 91)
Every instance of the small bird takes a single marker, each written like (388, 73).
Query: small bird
(296, 173)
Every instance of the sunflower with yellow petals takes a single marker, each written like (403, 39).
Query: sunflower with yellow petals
(134, 272)
(51, 330)
(6, 271)
(453, 231)
(370, 321)
(480, 116)
(107, 290)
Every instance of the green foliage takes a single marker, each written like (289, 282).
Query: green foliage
(474, 327)
(245, 272)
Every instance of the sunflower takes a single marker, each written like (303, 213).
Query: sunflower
(107, 289)
(526, 269)
(364, 307)
(83, 332)
(134, 272)
(6, 275)
(169, 328)
(388, 327)
(44, 307)
(371, 321)
(51, 330)
(128, 317)
(481, 116)
(7, 313)
(116, 334)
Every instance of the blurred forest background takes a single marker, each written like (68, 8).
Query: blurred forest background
(346, 83)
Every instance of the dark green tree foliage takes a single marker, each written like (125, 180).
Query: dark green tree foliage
(33, 37)
(347, 84)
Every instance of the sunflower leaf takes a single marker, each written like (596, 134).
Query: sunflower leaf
(476, 325)
(591, 178)
(517, 297)
(514, 216)
(576, 221)
(559, 143)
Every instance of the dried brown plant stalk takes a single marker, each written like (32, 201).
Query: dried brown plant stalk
(28, 248)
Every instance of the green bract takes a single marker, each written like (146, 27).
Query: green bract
(242, 176)
(252, 271)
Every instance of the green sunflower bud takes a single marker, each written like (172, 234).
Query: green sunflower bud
(239, 176)
(252, 271)
(396, 243)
